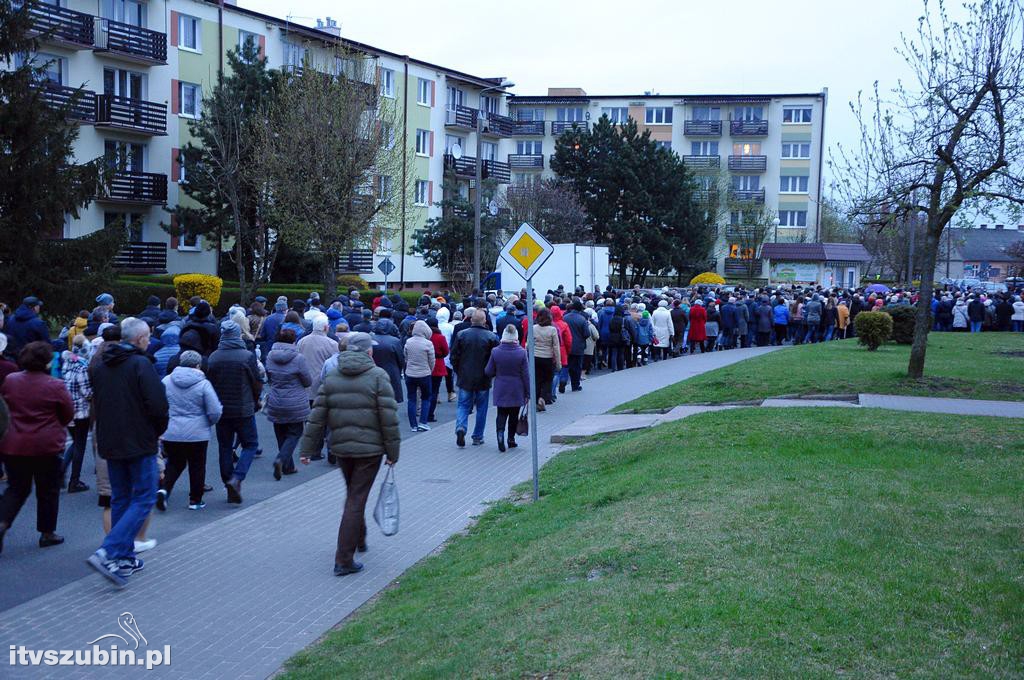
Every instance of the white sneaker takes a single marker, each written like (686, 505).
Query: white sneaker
(143, 546)
(423, 427)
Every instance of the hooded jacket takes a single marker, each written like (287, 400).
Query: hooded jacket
(193, 406)
(661, 320)
(316, 348)
(440, 352)
(356, 403)
(167, 351)
(288, 378)
(579, 330)
(390, 357)
(40, 409)
(23, 328)
(235, 377)
(419, 352)
(509, 367)
(129, 402)
(698, 324)
(77, 328)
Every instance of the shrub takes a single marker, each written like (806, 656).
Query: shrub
(347, 282)
(903, 317)
(707, 278)
(873, 328)
(205, 286)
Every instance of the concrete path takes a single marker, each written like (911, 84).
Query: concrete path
(236, 597)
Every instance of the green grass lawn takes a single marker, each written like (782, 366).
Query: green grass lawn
(979, 366)
(757, 543)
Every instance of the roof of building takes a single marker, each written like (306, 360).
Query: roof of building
(816, 252)
(685, 98)
(985, 244)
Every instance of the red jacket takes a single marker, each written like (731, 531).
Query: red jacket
(440, 352)
(40, 409)
(698, 317)
(564, 334)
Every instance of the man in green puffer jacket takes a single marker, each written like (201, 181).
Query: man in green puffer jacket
(357, 404)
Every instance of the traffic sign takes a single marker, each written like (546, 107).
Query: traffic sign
(386, 266)
(527, 251)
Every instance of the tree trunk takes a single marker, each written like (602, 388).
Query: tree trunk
(328, 276)
(923, 321)
(243, 289)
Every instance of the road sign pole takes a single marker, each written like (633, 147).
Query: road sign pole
(531, 366)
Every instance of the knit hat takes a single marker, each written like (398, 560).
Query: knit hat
(190, 359)
(154, 301)
(510, 334)
(202, 310)
(645, 314)
(107, 299)
(229, 330)
(280, 306)
(360, 342)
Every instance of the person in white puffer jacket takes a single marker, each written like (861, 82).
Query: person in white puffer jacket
(1018, 315)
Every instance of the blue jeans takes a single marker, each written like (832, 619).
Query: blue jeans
(616, 358)
(133, 484)
(467, 400)
(423, 385)
(1018, 326)
(227, 428)
(812, 332)
(828, 333)
(976, 326)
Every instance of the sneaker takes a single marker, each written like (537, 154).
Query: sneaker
(423, 427)
(346, 569)
(77, 486)
(460, 439)
(107, 568)
(540, 404)
(451, 397)
(196, 506)
(126, 566)
(477, 442)
(143, 546)
(161, 500)
(259, 453)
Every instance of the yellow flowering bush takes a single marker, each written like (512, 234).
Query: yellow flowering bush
(707, 278)
(205, 286)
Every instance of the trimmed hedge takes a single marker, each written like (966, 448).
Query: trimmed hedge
(903, 318)
(873, 329)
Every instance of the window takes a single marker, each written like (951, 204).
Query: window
(796, 149)
(189, 33)
(663, 145)
(423, 142)
(387, 82)
(133, 222)
(616, 114)
(387, 136)
(451, 140)
(739, 218)
(707, 113)
(528, 147)
(574, 115)
(704, 148)
(424, 89)
(489, 104)
(54, 67)
(525, 179)
(247, 40)
(488, 151)
(746, 149)
(383, 187)
(294, 55)
(455, 98)
(529, 114)
(659, 115)
(746, 182)
(796, 114)
(793, 185)
(748, 113)
(190, 98)
(124, 156)
(792, 218)
(181, 168)
(422, 191)
(126, 11)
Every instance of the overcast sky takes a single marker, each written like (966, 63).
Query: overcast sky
(666, 46)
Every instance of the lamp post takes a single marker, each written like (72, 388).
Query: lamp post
(479, 181)
(776, 222)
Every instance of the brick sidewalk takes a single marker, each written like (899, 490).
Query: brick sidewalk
(237, 597)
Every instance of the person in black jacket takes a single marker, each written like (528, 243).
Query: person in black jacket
(976, 314)
(470, 352)
(26, 326)
(579, 328)
(130, 407)
(235, 376)
(201, 321)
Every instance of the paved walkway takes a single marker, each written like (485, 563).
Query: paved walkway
(236, 597)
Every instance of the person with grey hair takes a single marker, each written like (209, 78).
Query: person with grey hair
(193, 410)
(317, 348)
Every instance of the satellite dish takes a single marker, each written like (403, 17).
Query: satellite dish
(492, 208)
(456, 151)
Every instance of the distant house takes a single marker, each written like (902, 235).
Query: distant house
(980, 253)
(827, 264)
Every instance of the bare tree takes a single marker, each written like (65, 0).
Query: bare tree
(953, 136)
(552, 208)
(746, 222)
(1016, 251)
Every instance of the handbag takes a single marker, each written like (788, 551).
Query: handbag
(523, 425)
(385, 513)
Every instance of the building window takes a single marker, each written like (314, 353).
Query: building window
(529, 114)
(423, 90)
(124, 156)
(489, 104)
(529, 147)
(793, 185)
(796, 149)
(792, 218)
(133, 222)
(423, 142)
(748, 113)
(189, 33)
(616, 114)
(525, 179)
(746, 182)
(707, 113)
(181, 168)
(387, 136)
(451, 140)
(384, 187)
(658, 115)
(387, 82)
(704, 148)
(191, 99)
(663, 145)
(488, 151)
(455, 98)
(746, 149)
(248, 40)
(796, 114)
(573, 115)
(422, 191)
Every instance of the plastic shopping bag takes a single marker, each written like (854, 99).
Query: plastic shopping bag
(385, 513)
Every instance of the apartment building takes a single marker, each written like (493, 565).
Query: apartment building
(767, 148)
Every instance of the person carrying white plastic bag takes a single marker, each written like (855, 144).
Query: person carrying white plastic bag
(385, 513)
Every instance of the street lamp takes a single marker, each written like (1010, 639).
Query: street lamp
(479, 181)
(776, 222)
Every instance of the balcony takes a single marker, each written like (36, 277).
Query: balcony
(131, 115)
(132, 186)
(526, 161)
(528, 128)
(702, 162)
(705, 196)
(142, 257)
(560, 126)
(748, 163)
(748, 128)
(497, 125)
(462, 117)
(79, 104)
(748, 195)
(131, 43)
(61, 26)
(355, 262)
(466, 167)
(702, 128)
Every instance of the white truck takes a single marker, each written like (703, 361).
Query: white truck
(570, 265)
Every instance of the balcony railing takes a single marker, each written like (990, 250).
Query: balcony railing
(748, 195)
(356, 262)
(560, 126)
(135, 42)
(748, 128)
(80, 104)
(59, 24)
(525, 128)
(131, 114)
(705, 196)
(702, 162)
(497, 125)
(526, 160)
(142, 257)
(748, 163)
(132, 186)
(708, 128)
(466, 167)
(462, 117)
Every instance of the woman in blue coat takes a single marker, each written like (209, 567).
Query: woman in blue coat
(510, 370)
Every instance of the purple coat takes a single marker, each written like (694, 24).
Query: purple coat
(511, 374)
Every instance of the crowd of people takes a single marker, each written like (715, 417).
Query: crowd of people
(156, 387)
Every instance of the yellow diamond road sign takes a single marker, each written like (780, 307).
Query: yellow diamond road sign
(526, 251)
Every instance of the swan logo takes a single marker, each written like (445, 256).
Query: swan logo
(119, 649)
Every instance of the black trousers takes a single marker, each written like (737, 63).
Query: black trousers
(45, 471)
(575, 370)
(545, 373)
(79, 435)
(359, 474)
(508, 418)
(435, 387)
(180, 455)
(780, 333)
